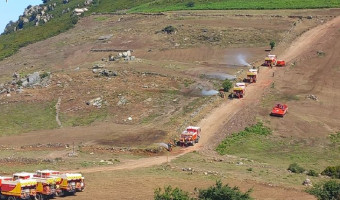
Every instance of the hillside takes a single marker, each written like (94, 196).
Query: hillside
(56, 16)
(98, 98)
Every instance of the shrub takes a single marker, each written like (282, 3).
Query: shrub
(312, 173)
(332, 171)
(190, 4)
(295, 168)
(272, 44)
(171, 194)
(43, 75)
(257, 129)
(19, 82)
(328, 190)
(169, 29)
(227, 84)
(220, 192)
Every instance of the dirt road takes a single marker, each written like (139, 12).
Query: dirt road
(220, 115)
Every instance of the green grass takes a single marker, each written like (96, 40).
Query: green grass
(256, 143)
(166, 5)
(20, 118)
(83, 119)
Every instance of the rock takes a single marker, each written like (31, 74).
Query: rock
(91, 153)
(122, 101)
(312, 97)
(88, 2)
(105, 37)
(97, 102)
(98, 66)
(307, 182)
(33, 79)
(108, 73)
(130, 118)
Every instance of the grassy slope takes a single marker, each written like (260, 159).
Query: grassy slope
(166, 5)
(20, 118)
(280, 152)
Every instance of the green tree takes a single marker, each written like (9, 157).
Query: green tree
(332, 171)
(272, 44)
(171, 194)
(220, 192)
(227, 84)
(295, 168)
(329, 190)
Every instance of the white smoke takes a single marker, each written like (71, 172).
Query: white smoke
(209, 92)
(241, 59)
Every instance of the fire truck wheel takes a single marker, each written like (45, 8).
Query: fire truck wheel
(72, 193)
(12, 198)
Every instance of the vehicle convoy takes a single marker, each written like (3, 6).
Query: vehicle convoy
(11, 189)
(42, 185)
(239, 90)
(45, 188)
(190, 136)
(279, 110)
(251, 76)
(66, 183)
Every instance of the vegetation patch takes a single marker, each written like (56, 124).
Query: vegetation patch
(165, 5)
(21, 118)
(295, 168)
(260, 146)
(332, 171)
(218, 191)
(328, 190)
(235, 138)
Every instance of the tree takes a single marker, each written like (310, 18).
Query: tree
(169, 29)
(329, 190)
(272, 45)
(227, 84)
(190, 4)
(220, 192)
(171, 194)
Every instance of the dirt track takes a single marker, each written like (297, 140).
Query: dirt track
(219, 116)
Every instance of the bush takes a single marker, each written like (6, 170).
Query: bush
(312, 173)
(169, 29)
(219, 192)
(43, 75)
(272, 44)
(257, 129)
(332, 171)
(295, 168)
(329, 190)
(190, 4)
(171, 194)
(227, 84)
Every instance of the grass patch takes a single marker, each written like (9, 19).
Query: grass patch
(256, 130)
(84, 119)
(279, 151)
(20, 118)
(149, 118)
(165, 5)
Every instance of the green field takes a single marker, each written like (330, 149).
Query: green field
(19, 118)
(166, 5)
(258, 144)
